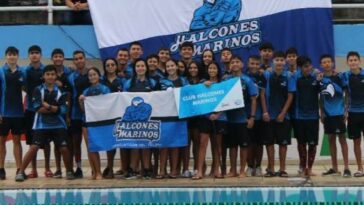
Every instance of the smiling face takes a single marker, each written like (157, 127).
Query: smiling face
(327, 64)
(207, 57)
(93, 77)
(79, 61)
(58, 59)
(110, 66)
(213, 71)
(12, 58)
(152, 64)
(193, 70)
(123, 57)
(50, 77)
(135, 52)
(171, 68)
(35, 56)
(186, 52)
(140, 68)
(236, 65)
(164, 56)
(353, 63)
(279, 63)
(266, 54)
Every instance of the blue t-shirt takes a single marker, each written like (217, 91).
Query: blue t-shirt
(260, 81)
(11, 92)
(55, 98)
(276, 91)
(115, 86)
(250, 89)
(33, 78)
(78, 83)
(332, 95)
(166, 83)
(306, 98)
(135, 85)
(355, 86)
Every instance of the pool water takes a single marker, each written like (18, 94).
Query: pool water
(173, 196)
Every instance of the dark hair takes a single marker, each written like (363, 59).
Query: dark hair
(57, 51)
(12, 50)
(185, 71)
(134, 67)
(303, 60)
(326, 56)
(218, 70)
(174, 61)
(352, 53)
(123, 49)
(34, 48)
(78, 52)
(153, 56)
(188, 75)
(94, 69)
(254, 57)
(226, 49)
(236, 57)
(208, 50)
(135, 43)
(164, 49)
(279, 54)
(104, 64)
(49, 68)
(186, 44)
(266, 45)
(291, 50)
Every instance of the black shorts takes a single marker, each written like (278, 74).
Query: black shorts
(256, 133)
(193, 122)
(29, 120)
(334, 125)
(237, 135)
(355, 125)
(76, 127)
(293, 127)
(43, 137)
(277, 133)
(13, 124)
(307, 131)
(211, 127)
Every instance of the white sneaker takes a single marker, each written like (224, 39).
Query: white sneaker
(187, 174)
(249, 172)
(258, 172)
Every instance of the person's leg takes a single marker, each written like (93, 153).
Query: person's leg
(174, 162)
(282, 157)
(195, 146)
(47, 154)
(163, 155)
(311, 159)
(110, 164)
(89, 154)
(125, 160)
(146, 160)
(344, 150)
(2, 151)
(233, 154)
(243, 159)
(135, 158)
(333, 152)
(96, 164)
(17, 150)
(270, 155)
(57, 156)
(33, 149)
(357, 152)
(204, 140)
(302, 150)
(66, 158)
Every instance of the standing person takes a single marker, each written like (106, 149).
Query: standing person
(291, 59)
(125, 70)
(12, 115)
(277, 98)
(266, 51)
(332, 113)
(186, 51)
(154, 72)
(207, 57)
(211, 127)
(164, 55)
(140, 82)
(135, 51)
(115, 84)
(255, 153)
(33, 78)
(241, 119)
(79, 82)
(182, 68)
(49, 124)
(354, 106)
(173, 80)
(96, 88)
(62, 83)
(307, 114)
(80, 15)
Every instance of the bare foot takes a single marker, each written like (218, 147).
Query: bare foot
(242, 175)
(98, 177)
(232, 174)
(309, 173)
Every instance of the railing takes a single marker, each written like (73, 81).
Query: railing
(50, 8)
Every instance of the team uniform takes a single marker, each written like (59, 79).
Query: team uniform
(166, 83)
(256, 133)
(49, 126)
(307, 109)
(355, 87)
(11, 101)
(79, 83)
(237, 118)
(276, 93)
(33, 78)
(115, 86)
(135, 85)
(332, 96)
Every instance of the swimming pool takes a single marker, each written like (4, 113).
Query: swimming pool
(156, 196)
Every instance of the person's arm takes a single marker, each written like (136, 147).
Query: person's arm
(70, 4)
(253, 101)
(285, 108)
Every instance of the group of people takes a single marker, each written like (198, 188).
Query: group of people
(282, 92)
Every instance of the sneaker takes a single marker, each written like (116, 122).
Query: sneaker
(105, 172)
(2, 174)
(269, 174)
(78, 173)
(57, 174)
(249, 172)
(19, 177)
(300, 171)
(147, 174)
(347, 173)
(331, 172)
(70, 175)
(131, 175)
(186, 174)
(258, 172)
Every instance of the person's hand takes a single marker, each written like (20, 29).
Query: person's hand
(266, 117)
(346, 115)
(214, 116)
(81, 98)
(319, 76)
(322, 118)
(46, 105)
(250, 123)
(207, 83)
(59, 83)
(280, 117)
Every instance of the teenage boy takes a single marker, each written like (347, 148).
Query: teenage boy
(225, 58)
(291, 59)
(49, 124)
(164, 55)
(307, 114)
(240, 120)
(79, 82)
(354, 106)
(277, 98)
(11, 107)
(135, 51)
(33, 78)
(266, 51)
(255, 152)
(125, 70)
(186, 50)
(62, 83)
(332, 113)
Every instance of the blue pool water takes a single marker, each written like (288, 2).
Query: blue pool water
(251, 196)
